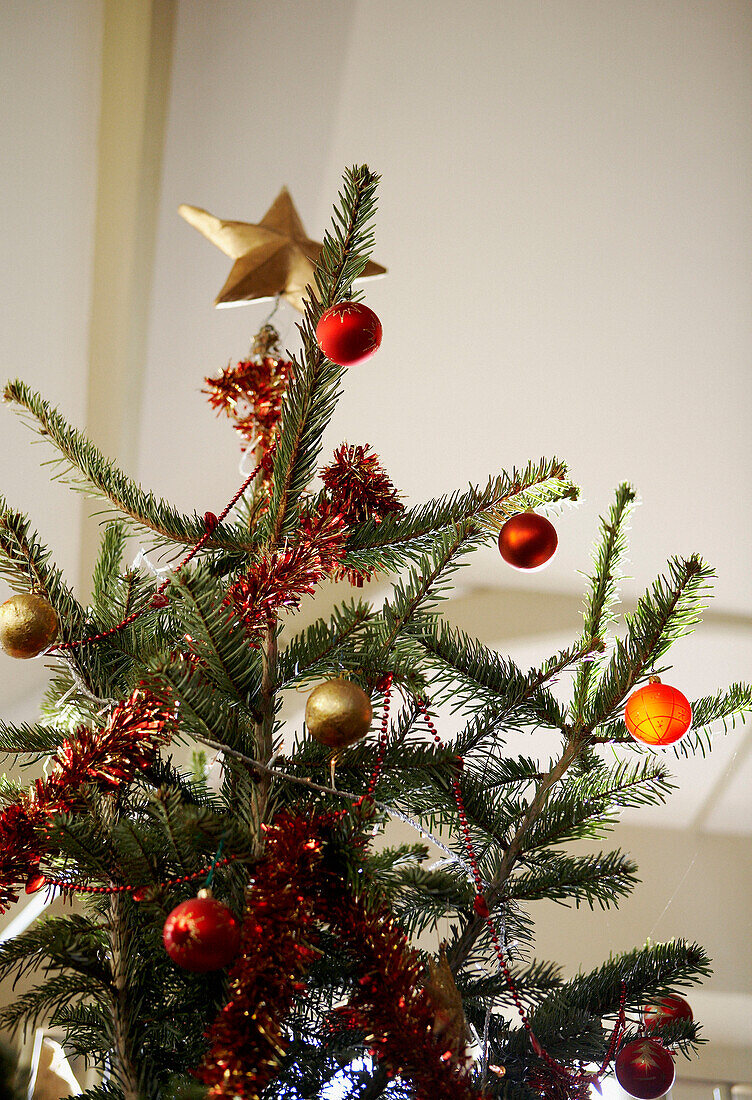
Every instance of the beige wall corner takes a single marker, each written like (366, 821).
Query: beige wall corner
(136, 61)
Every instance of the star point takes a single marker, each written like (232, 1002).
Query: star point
(272, 258)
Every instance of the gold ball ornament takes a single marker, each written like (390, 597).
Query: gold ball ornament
(338, 713)
(28, 625)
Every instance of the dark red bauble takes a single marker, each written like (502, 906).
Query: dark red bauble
(664, 1010)
(528, 541)
(201, 934)
(645, 1069)
(657, 714)
(348, 333)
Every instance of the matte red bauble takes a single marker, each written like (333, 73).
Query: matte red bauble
(645, 1069)
(664, 1010)
(528, 541)
(201, 934)
(657, 714)
(348, 333)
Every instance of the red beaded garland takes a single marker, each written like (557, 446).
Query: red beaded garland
(645, 1069)
(201, 934)
(664, 1010)
(348, 333)
(528, 541)
(657, 714)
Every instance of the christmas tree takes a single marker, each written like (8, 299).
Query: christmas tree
(256, 938)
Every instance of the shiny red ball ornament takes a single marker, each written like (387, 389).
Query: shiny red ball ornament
(657, 714)
(348, 333)
(201, 934)
(528, 541)
(664, 1010)
(645, 1069)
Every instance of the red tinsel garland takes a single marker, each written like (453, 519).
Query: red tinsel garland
(260, 384)
(358, 487)
(277, 948)
(106, 758)
(392, 1005)
(280, 580)
(295, 888)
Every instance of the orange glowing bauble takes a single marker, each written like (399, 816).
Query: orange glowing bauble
(658, 714)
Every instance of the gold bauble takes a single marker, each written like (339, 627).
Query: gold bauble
(338, 713)
(28, 625)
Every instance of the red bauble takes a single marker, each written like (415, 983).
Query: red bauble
(528, 541)
(664, 1010)
(201, 934)
(657, 714)
(645, 1069)
(348, 333)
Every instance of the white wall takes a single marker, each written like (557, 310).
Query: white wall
(49, 90)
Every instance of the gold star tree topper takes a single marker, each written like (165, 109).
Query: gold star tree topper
(273, 258)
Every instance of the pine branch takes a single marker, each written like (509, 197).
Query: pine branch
(462, 946)
(25, 564)
(425, 583)
(646, 783)
(603, 593)
(601, 879)
(474, 674)
(122, 1024)
(669, 609)
(531, 981)
(397, 539)
(229, 661)
(724, 708)
(46, 999)
(74, 942)
(107, 568)
(88, 1031)
(86, 468)
(646, 972)
(324, 647)
(313, 392)
(30, 739)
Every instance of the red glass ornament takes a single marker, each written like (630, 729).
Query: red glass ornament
(201, 934)
(657, 714)
(35, 882)
(528, 541)
(645, 1069)
(663, 1010)
(348, 333)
